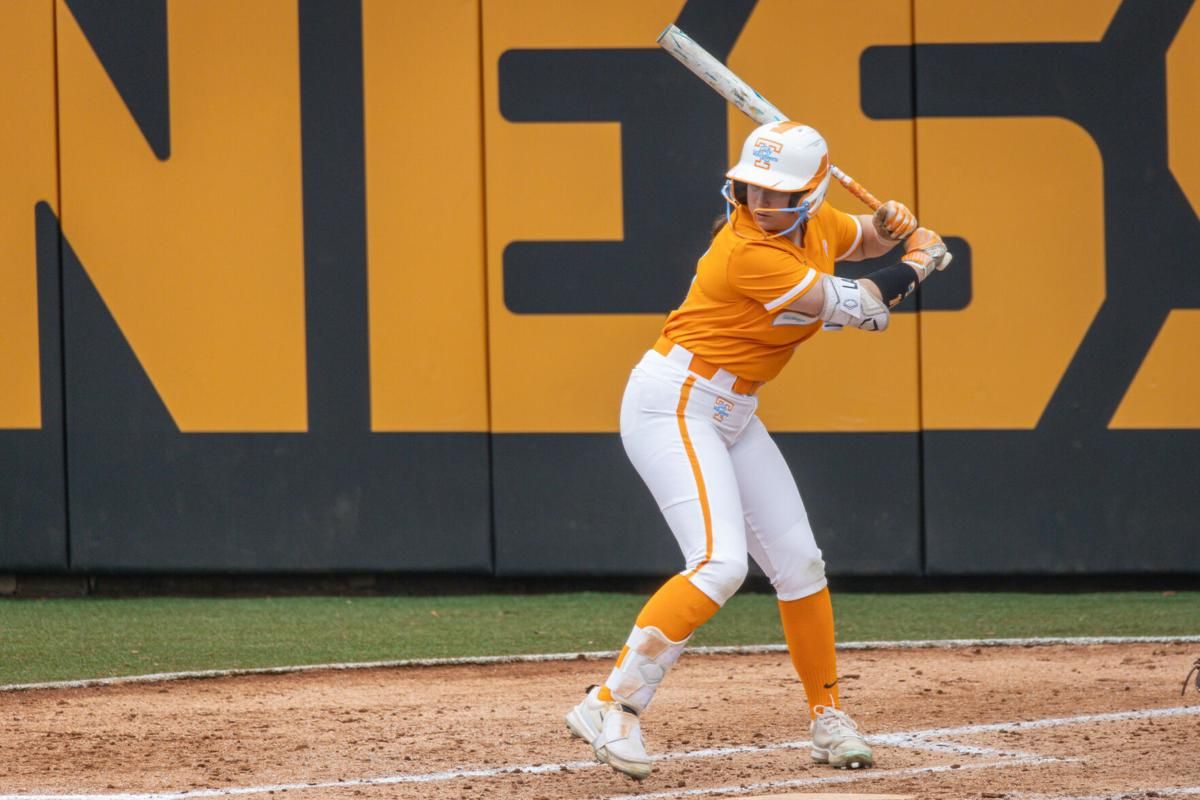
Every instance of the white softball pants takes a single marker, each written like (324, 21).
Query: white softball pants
(718, 478)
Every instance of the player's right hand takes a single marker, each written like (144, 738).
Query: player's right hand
(925, 252)
(893, 221)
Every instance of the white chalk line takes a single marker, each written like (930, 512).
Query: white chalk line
(1053, 722)
(919, 740)
(899, 739)
(868, 775)
(590, 655)
(874, 774)
(925, 740)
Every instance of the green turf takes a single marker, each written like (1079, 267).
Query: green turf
(42, 640)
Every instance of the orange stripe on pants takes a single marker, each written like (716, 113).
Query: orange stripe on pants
(680, 410)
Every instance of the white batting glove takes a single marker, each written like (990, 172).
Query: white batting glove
(926, 252)
(894, 221)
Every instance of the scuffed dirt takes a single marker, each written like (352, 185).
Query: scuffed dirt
(402, 726)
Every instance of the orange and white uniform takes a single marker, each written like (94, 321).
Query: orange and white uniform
(690, 428)
(688, 418)
(735, 313)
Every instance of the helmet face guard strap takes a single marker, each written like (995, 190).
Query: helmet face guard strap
(731, 202)
(801, 212)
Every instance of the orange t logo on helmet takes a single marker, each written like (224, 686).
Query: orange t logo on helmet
(764, 152)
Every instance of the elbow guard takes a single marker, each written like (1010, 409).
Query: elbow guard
(846, 304)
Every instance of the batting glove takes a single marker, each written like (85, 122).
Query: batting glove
(894, 221)
(926, 252)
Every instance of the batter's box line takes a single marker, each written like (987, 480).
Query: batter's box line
(878, 774)
(535, 769)
(1054, 722)
(935, 740)
(955, 748)
(853, 777)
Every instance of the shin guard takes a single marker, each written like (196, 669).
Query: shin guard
(650, 655)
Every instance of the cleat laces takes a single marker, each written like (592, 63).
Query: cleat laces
(836, 722)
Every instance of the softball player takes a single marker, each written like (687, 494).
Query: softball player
(689, 426)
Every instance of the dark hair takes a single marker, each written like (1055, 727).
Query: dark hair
(718, 222)
(739, 194)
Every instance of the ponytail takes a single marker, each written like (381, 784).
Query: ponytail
(739, 194)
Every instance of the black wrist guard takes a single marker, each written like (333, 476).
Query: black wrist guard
(895, 282)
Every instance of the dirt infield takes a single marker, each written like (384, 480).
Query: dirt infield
(1018, 722)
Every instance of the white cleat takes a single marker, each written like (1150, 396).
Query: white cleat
(614, 732)
(837, 742)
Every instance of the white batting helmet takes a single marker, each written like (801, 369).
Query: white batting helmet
(787, 157)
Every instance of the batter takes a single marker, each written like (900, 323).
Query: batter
(689, 426)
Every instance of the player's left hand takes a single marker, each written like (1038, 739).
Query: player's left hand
(894, 221)
(926, 252)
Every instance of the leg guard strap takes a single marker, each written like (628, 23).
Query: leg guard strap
(651, 654)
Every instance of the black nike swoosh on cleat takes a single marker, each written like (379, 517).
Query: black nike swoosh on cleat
(831, 685)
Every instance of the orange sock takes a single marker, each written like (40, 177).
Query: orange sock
(808, 628)
(677, 609)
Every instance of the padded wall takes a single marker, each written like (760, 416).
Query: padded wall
(309, 285)
(604, 164)
(33, 518)
(220, 273)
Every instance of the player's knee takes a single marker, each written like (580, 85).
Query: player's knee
(724, 576)
(806, 576)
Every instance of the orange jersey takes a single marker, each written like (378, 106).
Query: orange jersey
(734, 314)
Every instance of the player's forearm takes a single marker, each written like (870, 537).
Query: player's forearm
(873, 244)
(865, 303)
(871, 288)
